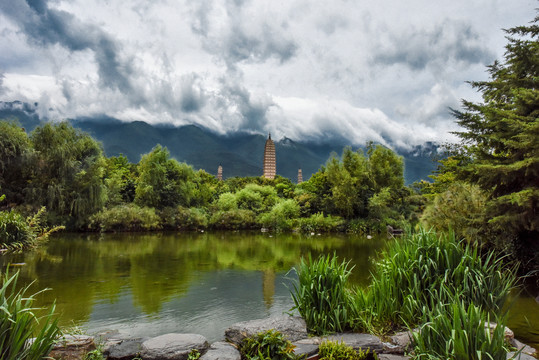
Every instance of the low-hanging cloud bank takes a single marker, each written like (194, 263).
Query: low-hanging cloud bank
(308, 70)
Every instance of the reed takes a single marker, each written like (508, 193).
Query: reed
(424, 269)
(321, 295)
(23, 335)
(460, 332)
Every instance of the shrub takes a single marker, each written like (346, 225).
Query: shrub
(334, 350)
(424, 269)
(181, 218)
(320, 223)
(267, 345)
(460, 332)
(233, 220)
(281, 216)
(19, 324)
(321, 296)
(17, 232)
(127, 217)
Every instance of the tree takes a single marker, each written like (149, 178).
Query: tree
(15, 148)
(164, 182)
(501, 137)
(67, 169)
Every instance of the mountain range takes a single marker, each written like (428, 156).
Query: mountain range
(240, 154)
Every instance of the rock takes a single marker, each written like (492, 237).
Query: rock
(173, 346)
(392, 357)
(359, 341)
(508, 333)
(309, 341)
(72, 347)
(305, 349)
(126, 349)
(521, 356)
(292, 327)
(525, 348)
(221, 351)
(400, 342)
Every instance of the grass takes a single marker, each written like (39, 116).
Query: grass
(19, 324)
(321, 295)
(267, 345)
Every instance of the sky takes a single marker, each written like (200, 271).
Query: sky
(358, 70)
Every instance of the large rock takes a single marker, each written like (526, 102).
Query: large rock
(526, 349)
(123, 349)
(292, 327)
(173, 346)
(221, 351)
(392, 357)
(521, 356)
(359, 341)
(72, 347)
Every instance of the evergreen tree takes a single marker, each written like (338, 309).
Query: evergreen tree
(501, 136)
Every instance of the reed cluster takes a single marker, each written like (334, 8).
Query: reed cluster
(23, 335)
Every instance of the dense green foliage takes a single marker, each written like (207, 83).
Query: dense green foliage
(424, 279)
(267, 345)
(321, 295)
(500, 151)
(64, 169)
(425, 269)
(19, 324)
(461, 332)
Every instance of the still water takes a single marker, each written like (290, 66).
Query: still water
(152, 284)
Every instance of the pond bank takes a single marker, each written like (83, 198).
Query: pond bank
(179, 346)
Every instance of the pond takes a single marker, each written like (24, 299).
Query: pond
(152, 284)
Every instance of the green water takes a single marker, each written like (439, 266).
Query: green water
(152, 284)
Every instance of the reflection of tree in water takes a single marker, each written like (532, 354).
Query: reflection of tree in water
(158, 267)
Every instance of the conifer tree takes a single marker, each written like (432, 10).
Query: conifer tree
(501, 136)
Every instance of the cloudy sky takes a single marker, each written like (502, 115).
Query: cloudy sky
(362, 70)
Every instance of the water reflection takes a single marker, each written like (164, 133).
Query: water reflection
(150, 284)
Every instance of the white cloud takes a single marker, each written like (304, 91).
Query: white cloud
(381, 71)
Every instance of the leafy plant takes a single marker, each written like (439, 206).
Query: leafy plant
(96, 354)
(24, 336)
(425, 269)
(460, 332)
(267, 345)
(321, 296)
(193, 355)
(335, 350)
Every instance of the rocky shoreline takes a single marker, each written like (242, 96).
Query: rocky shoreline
(178, 346)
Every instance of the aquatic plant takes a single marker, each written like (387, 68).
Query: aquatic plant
(267, 345)
(24, 336)
(321, 295)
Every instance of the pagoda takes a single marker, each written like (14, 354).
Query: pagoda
(269, 159)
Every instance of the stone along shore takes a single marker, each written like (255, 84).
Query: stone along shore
(178, 346)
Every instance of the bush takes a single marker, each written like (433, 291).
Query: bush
(460, 332)
(18, 324)
(181, 218)
(17, 232)
(128, 217)
(267, 345)
(334, 350)
(321, 296)
(320, 223)
(424, 269)
(233, 220)
(281, 216)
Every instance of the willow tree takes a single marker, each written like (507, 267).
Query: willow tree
(501, 137)
(66, 174)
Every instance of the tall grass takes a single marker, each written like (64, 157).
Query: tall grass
(422, 270)
(321, 295)
(19, 324)
(460, 332)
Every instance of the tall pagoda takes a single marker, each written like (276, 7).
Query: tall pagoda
(270, 168)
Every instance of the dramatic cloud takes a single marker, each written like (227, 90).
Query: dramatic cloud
(354, 71)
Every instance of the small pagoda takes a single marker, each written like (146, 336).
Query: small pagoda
(269, 166)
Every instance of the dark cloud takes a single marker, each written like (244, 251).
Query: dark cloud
(193, 96)
(45, 26)
(252, 111)
(240, 43)
(447, 42)
(2, 90)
